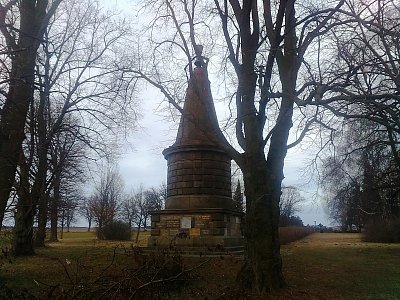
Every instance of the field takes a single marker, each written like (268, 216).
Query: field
(320, 266)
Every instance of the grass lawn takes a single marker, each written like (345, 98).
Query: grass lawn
(320, 266)
(341, 266)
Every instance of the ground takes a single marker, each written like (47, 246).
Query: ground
(320, 266)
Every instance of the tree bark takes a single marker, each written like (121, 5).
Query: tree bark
(39, 186)
(37, 194)
(89, 225)
(138, 231)
(40, 236)
(68, 222)
(20, 93)
(24, 215)
(23, 229)
(54, 219)
(62, 223)
(55, 205)
(262, 269)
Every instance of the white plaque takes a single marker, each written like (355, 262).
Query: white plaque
(186, 222)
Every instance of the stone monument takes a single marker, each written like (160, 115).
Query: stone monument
(199, 207)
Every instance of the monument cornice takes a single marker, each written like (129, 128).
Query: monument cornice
(193, 147)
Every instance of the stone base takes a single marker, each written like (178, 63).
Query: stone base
(196, 241)
(196, 228)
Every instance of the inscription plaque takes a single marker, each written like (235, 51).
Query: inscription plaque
(172, 223)
(186, 222)
(194, 231)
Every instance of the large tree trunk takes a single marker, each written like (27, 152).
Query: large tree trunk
(54, 220)
(262, 269)
(20, 93)
(62, 223)
(24, 215)
(23, 229)
(37, 193)
(30, 198)
(55, 202)
(42, 222)
(39, 187)
(24, 219)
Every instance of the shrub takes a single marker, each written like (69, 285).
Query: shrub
(383, 231)
(116, 230)
(292, 234)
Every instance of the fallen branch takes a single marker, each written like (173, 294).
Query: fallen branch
(169, 279)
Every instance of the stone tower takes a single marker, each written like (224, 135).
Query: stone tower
(199, 207)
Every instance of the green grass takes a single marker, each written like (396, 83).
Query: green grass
(48, 264)
(79, 235)
(341, 266)
(321, 266)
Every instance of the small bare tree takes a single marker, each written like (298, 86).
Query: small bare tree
(289, 205)
(86, 211)
(141, 210)
(107, 197)
(129, 210)
(139, 203)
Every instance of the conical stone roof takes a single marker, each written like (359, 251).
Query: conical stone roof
(198, 124)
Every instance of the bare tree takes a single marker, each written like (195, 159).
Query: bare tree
(107, 197)
(22, 39)
(142, 210)
(359, 78)
(74, 70)
(342, 194)
(155, 197)
(129, 210)
(289, 205)
(77, 81)
(78, 59)
(62, 170)
(68, 209)
(138, 205)
(67, 171)
(86, 211)
(360, 177)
